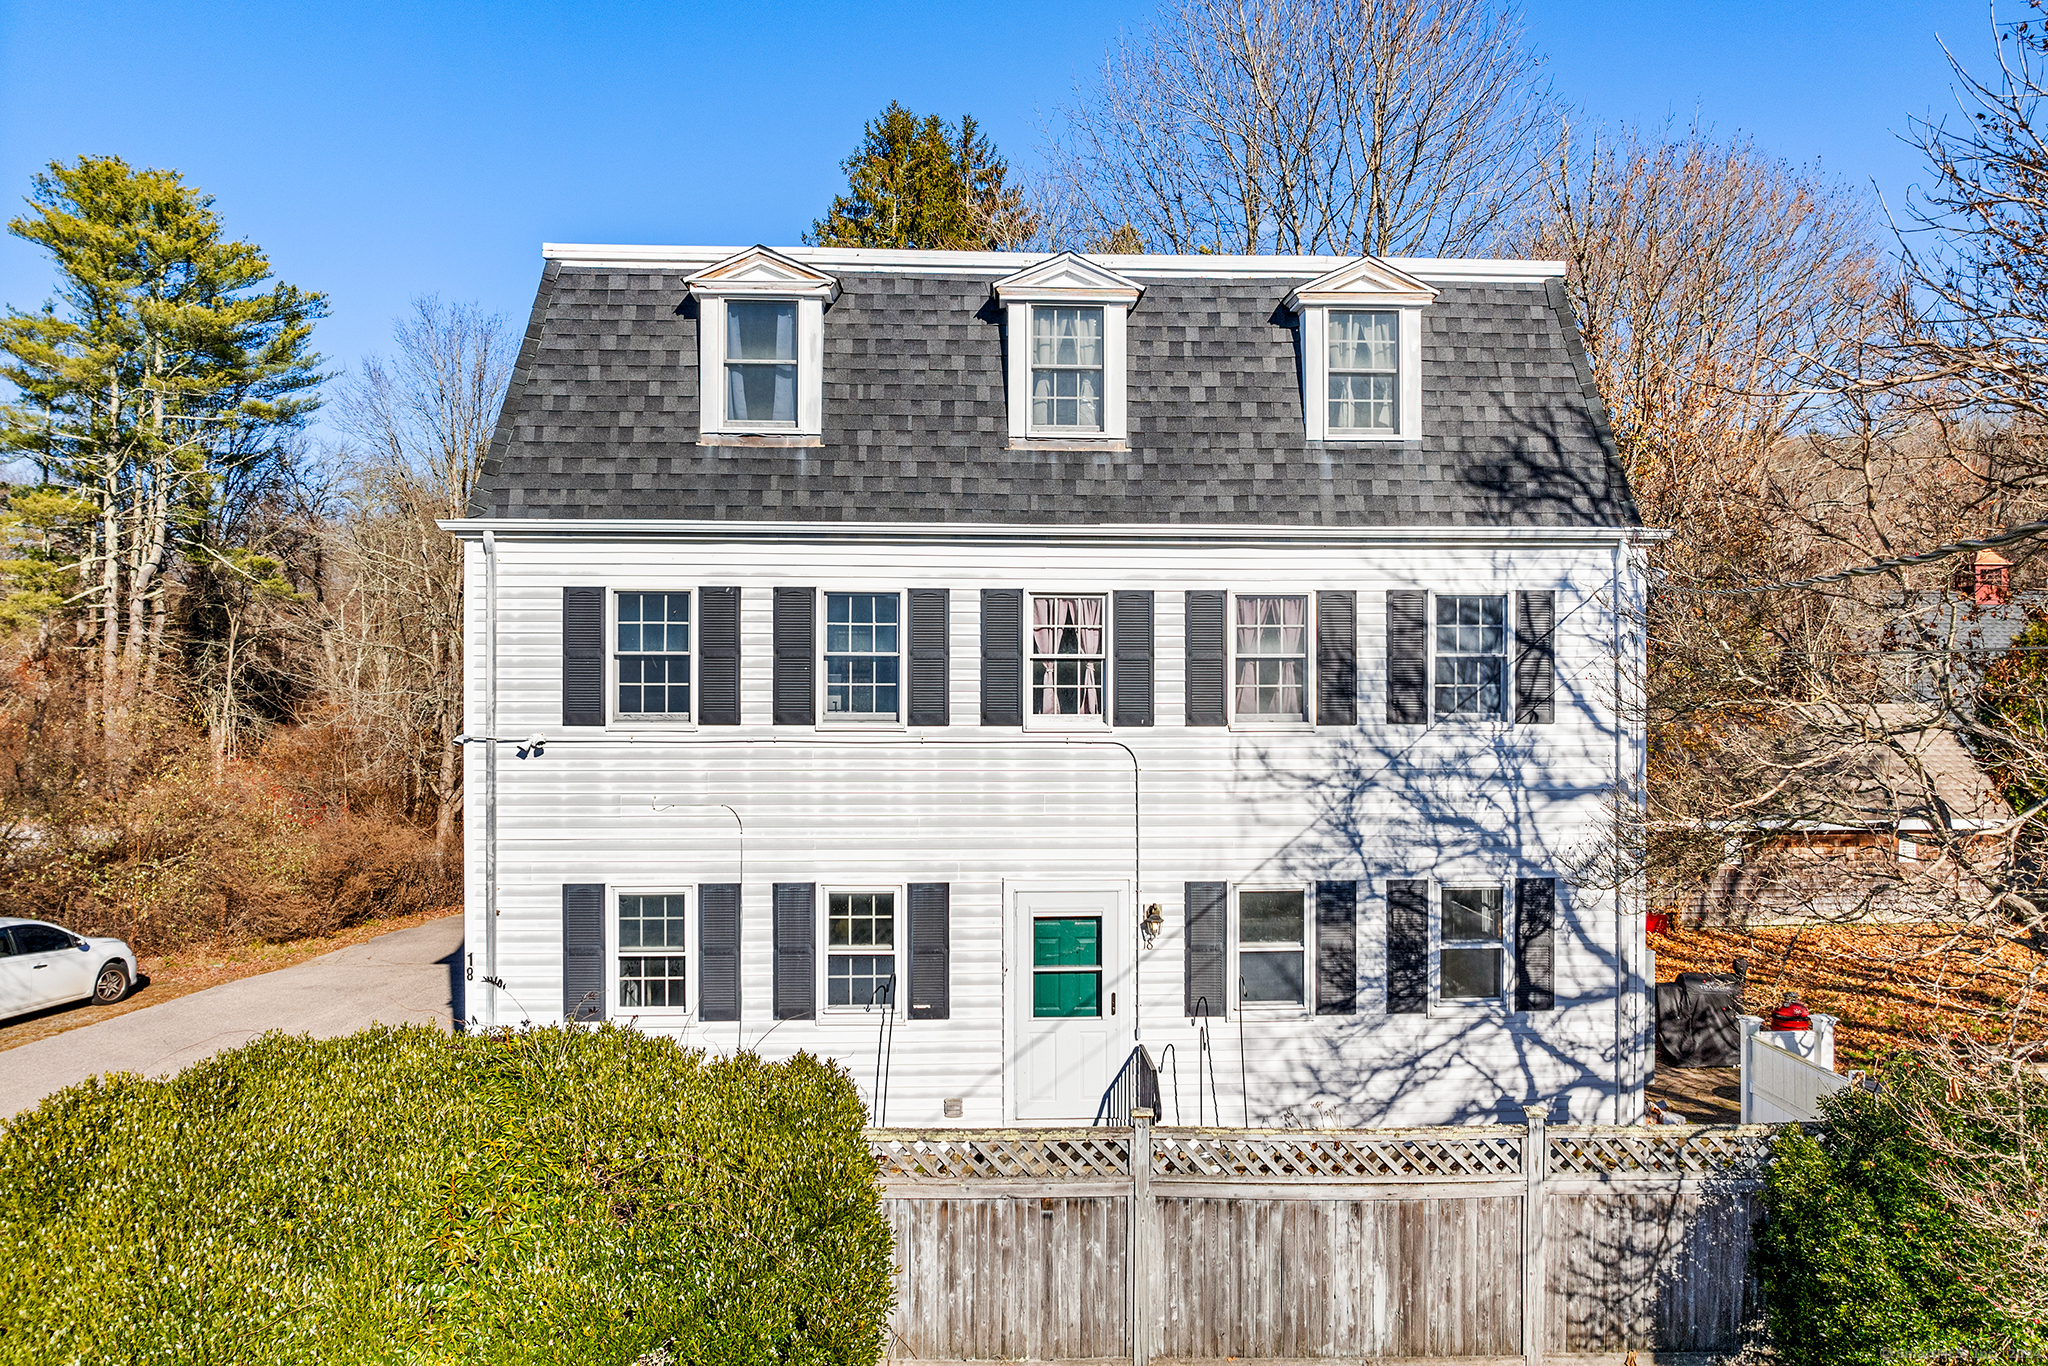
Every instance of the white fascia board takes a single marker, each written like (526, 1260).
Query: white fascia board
(863, 259)
(1137, 533)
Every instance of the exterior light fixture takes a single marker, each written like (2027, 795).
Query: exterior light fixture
(1154, 921)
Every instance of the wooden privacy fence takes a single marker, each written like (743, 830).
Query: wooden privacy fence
(1506, 1242)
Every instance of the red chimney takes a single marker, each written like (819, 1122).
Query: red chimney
(1994, 585)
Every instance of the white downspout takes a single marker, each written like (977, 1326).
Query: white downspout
(491, 775)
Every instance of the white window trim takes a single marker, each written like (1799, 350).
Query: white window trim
(1034, 721)
(1504, 1003)
(646, 720)
(1307, 721)
(810, 369)
(1115, 416)
(899, 949)
(1275, 1010)
(1315, 356)
(613, 951)
(1505, 717)
(901, 721)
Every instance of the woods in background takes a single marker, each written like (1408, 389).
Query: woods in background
(232, 671)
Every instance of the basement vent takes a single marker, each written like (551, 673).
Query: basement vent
(954, 1106)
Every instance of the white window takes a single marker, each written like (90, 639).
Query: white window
(1364, 380)
(1470, 646)
(1269, 647)
(863, 656)
(653, 953)
(761, 350)
(1470, 947)
(1361, 351)
(860, 949)
(1273, 947)
(1066, 369)
(1064, 321)
(651, 655)
(1069, 659)
(760, 364)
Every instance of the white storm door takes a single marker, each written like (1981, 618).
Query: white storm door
(1072, 1030)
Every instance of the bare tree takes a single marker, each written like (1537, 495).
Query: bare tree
(392, 646)
(1390, 127)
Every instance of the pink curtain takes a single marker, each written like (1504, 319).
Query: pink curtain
(1068, 627)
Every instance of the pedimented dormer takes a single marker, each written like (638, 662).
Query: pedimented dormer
(761, 349)
(1361, 347)
(1066, 322)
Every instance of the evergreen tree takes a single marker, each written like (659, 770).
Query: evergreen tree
(164, 379)
(923, 183)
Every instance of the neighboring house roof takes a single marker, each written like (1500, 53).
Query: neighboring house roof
(601, 419)
(1879, 768)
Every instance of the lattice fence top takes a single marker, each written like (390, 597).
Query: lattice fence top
(1333, 1155)
(1690, 1150)
(1003, 1155)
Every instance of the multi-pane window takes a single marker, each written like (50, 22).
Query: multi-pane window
(1272, 947)
(1066, 368)
(760, 363)
(654, 654)
(862, 656)
(1471, 653)
(1067, 660)
(860, 944)
(1364, 367)
(1469, 947)
(1272, 656)
(1066, 967)
(651, 952)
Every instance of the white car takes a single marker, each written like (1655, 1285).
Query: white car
(42, 965)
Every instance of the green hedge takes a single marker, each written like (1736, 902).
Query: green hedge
(400, 1195)
(1862, 1262)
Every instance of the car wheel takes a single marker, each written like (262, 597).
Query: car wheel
(111, 985)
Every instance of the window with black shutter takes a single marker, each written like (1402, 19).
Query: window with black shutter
(1336, 948)
(1407, 657)
(1536, 658)
(1336, 658)
(718, 951)
(718, 656)
(1207, 949)
(795, 938)
(1205, 658)
(1131, 669)
(795, 680)
(583, 994)
(583, 656)
(930, 648)
(1002, 657)
(1535, 934)
(930, 951)
(1407, 947)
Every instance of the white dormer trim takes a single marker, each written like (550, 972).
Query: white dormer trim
(1067, 279)
(1366, 284)
(759, 273)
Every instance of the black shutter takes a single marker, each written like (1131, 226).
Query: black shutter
(1002, 657)
(1407, 948)
(1336, 948)
(1337, 659)
(796, 934)
(1536, 658)
(718, 951)
(1535, 919)
(583, 951)
(930, 951)
(583, 656)
(1205, 659)
(796, 614)
(1407, 657)
(930, 678)
(1133, 666)
(718, 656)
(1208, 956)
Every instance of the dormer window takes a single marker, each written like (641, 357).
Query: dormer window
(761, 350)
(1064, 320)
(1361, 348)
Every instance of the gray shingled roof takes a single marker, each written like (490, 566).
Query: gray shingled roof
(601, 417)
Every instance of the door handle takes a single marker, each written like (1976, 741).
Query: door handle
(40, 966)
(1112, 1003)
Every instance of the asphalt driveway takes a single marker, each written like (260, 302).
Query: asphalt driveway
(408, 976)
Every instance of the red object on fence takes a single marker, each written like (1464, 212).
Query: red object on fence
(1791, 1015)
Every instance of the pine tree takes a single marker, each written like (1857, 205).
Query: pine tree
(167, 373)
(922, 183)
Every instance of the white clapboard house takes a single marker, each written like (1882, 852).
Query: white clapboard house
(973, 666)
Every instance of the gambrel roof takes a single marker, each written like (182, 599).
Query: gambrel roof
(601, 420)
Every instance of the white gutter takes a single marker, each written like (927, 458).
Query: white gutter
(1043, 533)
(491, 776)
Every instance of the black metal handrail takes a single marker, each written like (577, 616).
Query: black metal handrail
(1136, 1087)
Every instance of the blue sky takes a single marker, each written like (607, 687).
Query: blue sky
(378, 150)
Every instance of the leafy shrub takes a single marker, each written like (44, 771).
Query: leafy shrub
(400, 1195)
(1864, 1260)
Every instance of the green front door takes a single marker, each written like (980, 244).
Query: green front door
(1066, 967)
(1072, 1030)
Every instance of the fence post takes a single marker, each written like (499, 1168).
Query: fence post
(1535, 1167)
(1140, 1314)
(1749, 1024)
